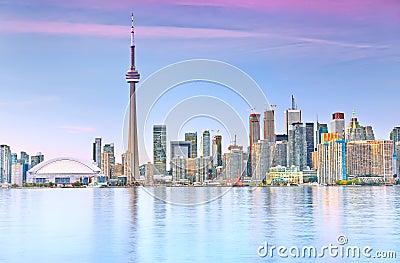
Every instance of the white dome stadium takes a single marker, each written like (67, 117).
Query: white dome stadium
(62, 170)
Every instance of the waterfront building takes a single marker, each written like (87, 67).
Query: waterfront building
(105, 165)
(118, 170)
(64, 170)
(280, 154)
(192, 137)
(269, 126)
(254, 136)
(310, 176)
(291, 116)
(160, 149)
(17, 170)
(395, 137)
(97, 152)
(190, 170)
(178, 168)
(370, 158)
(331, 161)
(205, 143)
(310, 142)
(36, 159)
(235, 163)
(24, 160)
(321, 129)
(397, 163)
(217, 150)
(262, 157)
(109, 148)
(284, 175)
(147, 173)
(5, 164)
(297, 146)
(338, 124)
(202, 168)
(132, 77)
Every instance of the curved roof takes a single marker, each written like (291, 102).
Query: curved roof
(65, 165)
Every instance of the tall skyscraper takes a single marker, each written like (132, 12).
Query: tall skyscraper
(217, 150)
(331, 161)
(105, 164)
(5, 164)
(356, 132)
(321, 129)
(280, 153)
(132, 154)
(160, 149)
(369, 133)
(292, 115)
(192, 137)
(234, 162)
(14, 158)
(24, 157)
(262, 157)
(254, 129)
(310, 142)
(269, 126)
(338, 124)
(205, 143)
(36, 159)
(297, 146)
(396, 163)
(109, 149)
(97, 152)
(25, 162)
(395, 137)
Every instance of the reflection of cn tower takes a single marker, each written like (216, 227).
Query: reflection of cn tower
(132, 77)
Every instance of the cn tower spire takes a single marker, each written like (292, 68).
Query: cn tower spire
(132, 153)
(132, 43)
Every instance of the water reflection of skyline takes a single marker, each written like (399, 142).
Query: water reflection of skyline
(130, 225)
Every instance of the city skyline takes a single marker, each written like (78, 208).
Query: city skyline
(327, 67)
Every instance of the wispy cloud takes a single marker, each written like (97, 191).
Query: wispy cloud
(154, 32)
(77, 129)
(117, 31)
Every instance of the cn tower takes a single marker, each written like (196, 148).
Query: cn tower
(132, 155)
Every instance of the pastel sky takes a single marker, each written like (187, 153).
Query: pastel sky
(62, 63)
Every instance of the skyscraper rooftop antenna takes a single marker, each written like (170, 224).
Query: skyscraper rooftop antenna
(293, 103)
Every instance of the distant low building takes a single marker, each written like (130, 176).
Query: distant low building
(281, 174)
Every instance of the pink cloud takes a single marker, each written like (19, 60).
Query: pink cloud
(116, 31)
(339, 7)
(77, 129)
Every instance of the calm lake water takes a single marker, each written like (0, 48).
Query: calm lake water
(137, 225)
